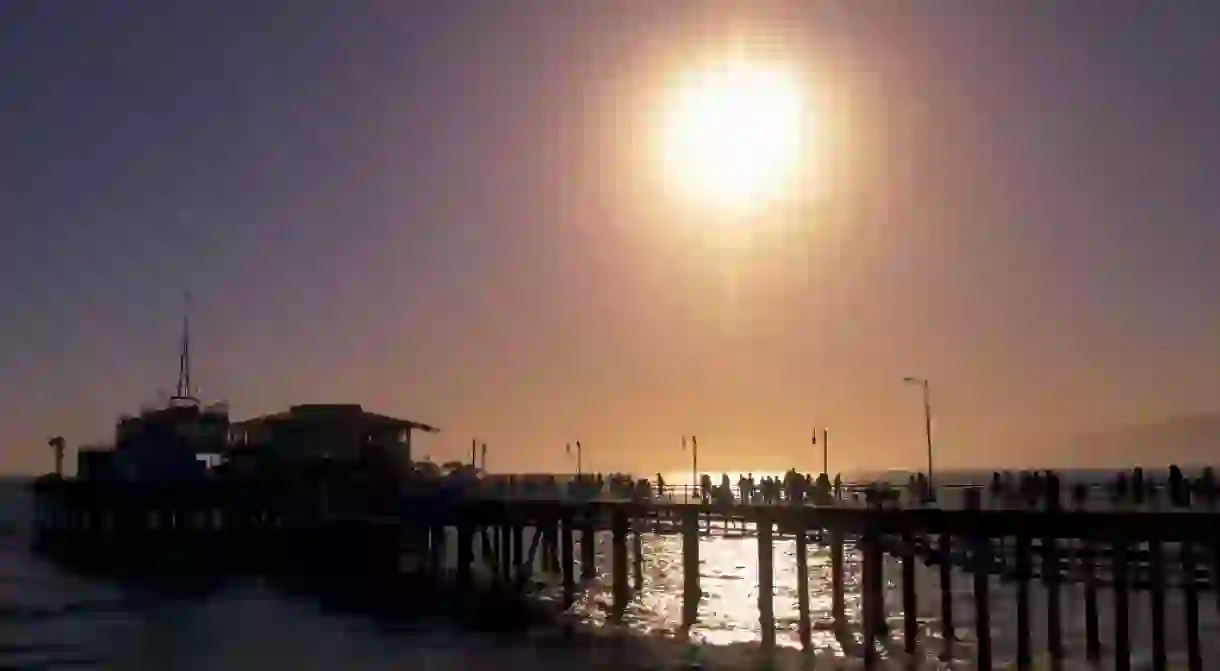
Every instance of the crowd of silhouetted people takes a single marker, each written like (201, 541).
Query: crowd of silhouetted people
(1007, 489)
(1134, 487)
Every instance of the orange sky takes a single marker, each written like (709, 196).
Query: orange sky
(455, 217)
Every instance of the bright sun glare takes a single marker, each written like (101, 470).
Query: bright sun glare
(733, 134)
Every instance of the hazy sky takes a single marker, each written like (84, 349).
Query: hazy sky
(449, 211)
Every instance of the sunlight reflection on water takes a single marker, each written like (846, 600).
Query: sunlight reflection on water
(728, 613)
(728, 577)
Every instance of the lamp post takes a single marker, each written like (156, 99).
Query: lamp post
(568, 449)
(694, 464)
(927, 422)
(825, 449)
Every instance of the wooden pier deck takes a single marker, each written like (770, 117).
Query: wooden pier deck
(316, 529)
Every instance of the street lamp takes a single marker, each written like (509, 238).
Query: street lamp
(825, 448)
(568, 449)
(927, 423)
(694, 463)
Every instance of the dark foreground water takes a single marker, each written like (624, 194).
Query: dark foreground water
(51, 618)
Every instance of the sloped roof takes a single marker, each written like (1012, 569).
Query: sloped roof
(324, 412)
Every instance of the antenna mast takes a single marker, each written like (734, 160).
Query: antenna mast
(184, 357)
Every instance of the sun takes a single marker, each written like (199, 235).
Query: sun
(733, 134)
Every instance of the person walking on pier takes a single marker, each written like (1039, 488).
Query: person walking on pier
(660, 486)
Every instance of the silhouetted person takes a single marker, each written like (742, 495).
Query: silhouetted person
(1207, 485)
(822, 490)
(1080, 494)
(1052, 491)
(1178, 495)
(1120, 488)
(660, 486)
(1138, 488)
(972, 498)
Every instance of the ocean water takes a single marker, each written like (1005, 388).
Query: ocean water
(51, 618)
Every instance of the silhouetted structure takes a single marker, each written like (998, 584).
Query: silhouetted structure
(333, 433)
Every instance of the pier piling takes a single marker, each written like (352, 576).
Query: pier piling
(871, 595)
(518, 549)
(637, 558)
(802, 582)
(619, 526)
(1088, 558)
(1050, 581)
(1122, 641)
(588, 550)
(1024, 654)
(945, 551)
(981, 559)
(910, 630)
(1156, 566)
(465, 553)
(568, 561)
(505, 554)
(766, 579)
(836, 577)
(1190, 593)
(436, 542)
(692, 592)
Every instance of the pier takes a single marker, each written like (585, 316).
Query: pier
(373, 532)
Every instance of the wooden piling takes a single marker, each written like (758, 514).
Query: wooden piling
(436, 543)
(981, 559)
(518, 549)
(838, 611)
(567, 560)
(1213, 577)
(619, 526)
(910, 629)
(552, 545)
(637, 557)
(1156, 566)
(504, 556)
(1088, 557)
(692, 592)
(465, 552)
(802, 581)
(1122, 641)
(945, 551)
(766, 579)
(1024, 654)
(1190, 593)
(588, 550)
(871, 593)
(1050, 581)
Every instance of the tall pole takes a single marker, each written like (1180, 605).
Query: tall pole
(825, 452)
(568, 450)
(927, 426)
(694, 464)
(930, 495)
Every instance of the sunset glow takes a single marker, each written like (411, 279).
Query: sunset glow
(733, 133)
